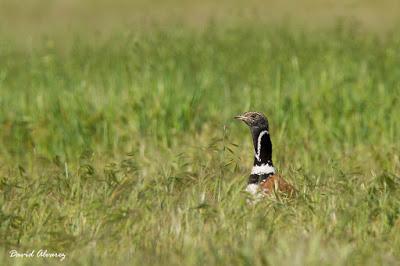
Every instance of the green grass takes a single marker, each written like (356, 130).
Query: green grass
(124, 150)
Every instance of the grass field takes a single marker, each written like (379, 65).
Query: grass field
(123, 150)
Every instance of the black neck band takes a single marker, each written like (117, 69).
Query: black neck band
(262, 146)
(256, 179)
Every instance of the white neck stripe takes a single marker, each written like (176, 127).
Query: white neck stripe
(258, 153)
(262, 169)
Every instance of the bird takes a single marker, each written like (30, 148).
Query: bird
(263, 179)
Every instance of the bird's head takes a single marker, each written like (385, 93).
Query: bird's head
(253, 119)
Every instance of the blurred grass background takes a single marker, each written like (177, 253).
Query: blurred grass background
(32, 18)
(117, 143)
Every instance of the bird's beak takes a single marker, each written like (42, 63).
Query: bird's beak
(241, 118)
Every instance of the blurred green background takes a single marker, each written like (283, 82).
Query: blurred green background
(32, 17)
(117, 143)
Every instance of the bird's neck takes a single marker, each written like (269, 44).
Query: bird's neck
(262, 146)
(263, 166)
